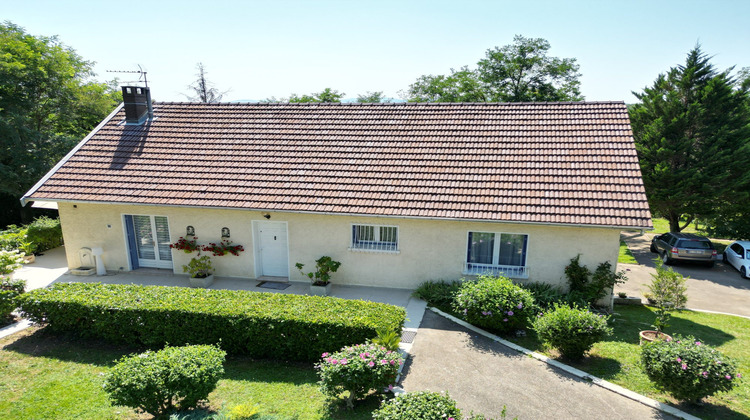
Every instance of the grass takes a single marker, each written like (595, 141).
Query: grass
(618, 359)
(626, 257)
(45, 376)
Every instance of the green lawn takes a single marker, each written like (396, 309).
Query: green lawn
(618, 359)
(626, 257)
(43, 376)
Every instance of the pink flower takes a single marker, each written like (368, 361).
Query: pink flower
(334, 361)
(344, 361)
(684, 366)
(697, 343)
(705, 374)
(510, 313)
(679, 360)
(324, 354)
(371, 364)
(728, 376)
(739, 375)
(505, 319)
(520, 306)
(383, 362)
(393, 362)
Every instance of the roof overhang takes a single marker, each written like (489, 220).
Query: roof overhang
(453, 219)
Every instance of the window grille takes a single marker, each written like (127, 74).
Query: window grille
(376, 238)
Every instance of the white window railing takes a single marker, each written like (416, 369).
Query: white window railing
(512, 271)
(374, 238)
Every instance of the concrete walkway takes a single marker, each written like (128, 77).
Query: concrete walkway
(717, 289)
(483, 375)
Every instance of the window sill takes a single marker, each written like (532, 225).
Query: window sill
(510, 276)
(375, 251)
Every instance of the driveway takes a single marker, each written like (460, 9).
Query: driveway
(483, 375)
(719, 289)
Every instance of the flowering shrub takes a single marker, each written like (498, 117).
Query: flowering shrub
(187, 245)
(572, 331)
(10, 261)
(418, 405)
(494, 303)
(358, 369)
(158, 381)
(9, 290)
(688, 369)
(222, 248)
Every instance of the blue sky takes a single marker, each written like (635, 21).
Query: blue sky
(274, 48)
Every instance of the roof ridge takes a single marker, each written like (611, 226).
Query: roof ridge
(305, 104)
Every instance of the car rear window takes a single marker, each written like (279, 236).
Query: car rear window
(694, 244)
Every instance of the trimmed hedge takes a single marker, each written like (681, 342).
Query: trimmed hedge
(45, 233)
(266, 325)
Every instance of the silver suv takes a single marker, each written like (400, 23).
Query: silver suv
(684, 247)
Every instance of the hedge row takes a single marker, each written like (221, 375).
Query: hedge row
(267, 325)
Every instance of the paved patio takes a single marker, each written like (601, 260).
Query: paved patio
(52, 268)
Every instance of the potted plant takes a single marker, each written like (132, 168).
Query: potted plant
(222, 248)
(186, 245)
(667, 290)
(321, 277)
(201, 271)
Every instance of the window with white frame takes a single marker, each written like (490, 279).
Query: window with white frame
(375, 237)
(497, 253)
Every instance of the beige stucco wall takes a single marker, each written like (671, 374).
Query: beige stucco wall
(429, 249)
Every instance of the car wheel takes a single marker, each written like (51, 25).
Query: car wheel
(724, 257)
(653, 248)
(665, 258)
(743, 273)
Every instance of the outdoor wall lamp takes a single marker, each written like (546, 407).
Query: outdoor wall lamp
(225, 233)
(267, 215)
(190, 231)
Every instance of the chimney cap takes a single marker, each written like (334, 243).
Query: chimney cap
(137, 104)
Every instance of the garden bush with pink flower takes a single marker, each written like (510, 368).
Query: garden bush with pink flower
(689, 369)
(494, 303)
(358, 369)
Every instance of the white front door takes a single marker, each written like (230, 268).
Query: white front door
(272, 249)
(152, 241)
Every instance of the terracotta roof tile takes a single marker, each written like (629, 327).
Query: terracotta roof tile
(569, 163)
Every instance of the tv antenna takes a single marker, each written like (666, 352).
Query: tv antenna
(141, 73)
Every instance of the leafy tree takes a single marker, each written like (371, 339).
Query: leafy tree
(205, 91)
(689, 129)
(48, 101)
(520, 72)
(327, 95)
(372, 97)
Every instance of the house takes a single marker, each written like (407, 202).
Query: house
(399, 193)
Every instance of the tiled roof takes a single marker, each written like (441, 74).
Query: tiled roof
(562, 163)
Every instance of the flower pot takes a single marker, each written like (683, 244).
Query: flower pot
(201, 282)
(650, 336)
(28, 259)
(320, 290)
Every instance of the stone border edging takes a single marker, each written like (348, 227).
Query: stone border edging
(573, 371)
(14, 328)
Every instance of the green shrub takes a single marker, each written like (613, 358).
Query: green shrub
(588, 287)
(357, 370)
(421, 405)
(667, 292)
(9, 292)
(10, 261)
(157, 382)
(438, 293)
(269, 325)
(12, 238)
(45, 233)
(688, 369)
(572, 331)
(494, 303)
(389, 339)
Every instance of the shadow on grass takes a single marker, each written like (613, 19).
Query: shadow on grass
(628, 321)
(710, 411)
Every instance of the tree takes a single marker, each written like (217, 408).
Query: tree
(327, 95)
(205, 91)
(520, 72)
(689, 128)
(48, 101)
(372, 97)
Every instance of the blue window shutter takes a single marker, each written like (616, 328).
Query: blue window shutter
(132, 250)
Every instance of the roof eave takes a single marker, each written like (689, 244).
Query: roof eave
(26, 197)
(454, 219)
